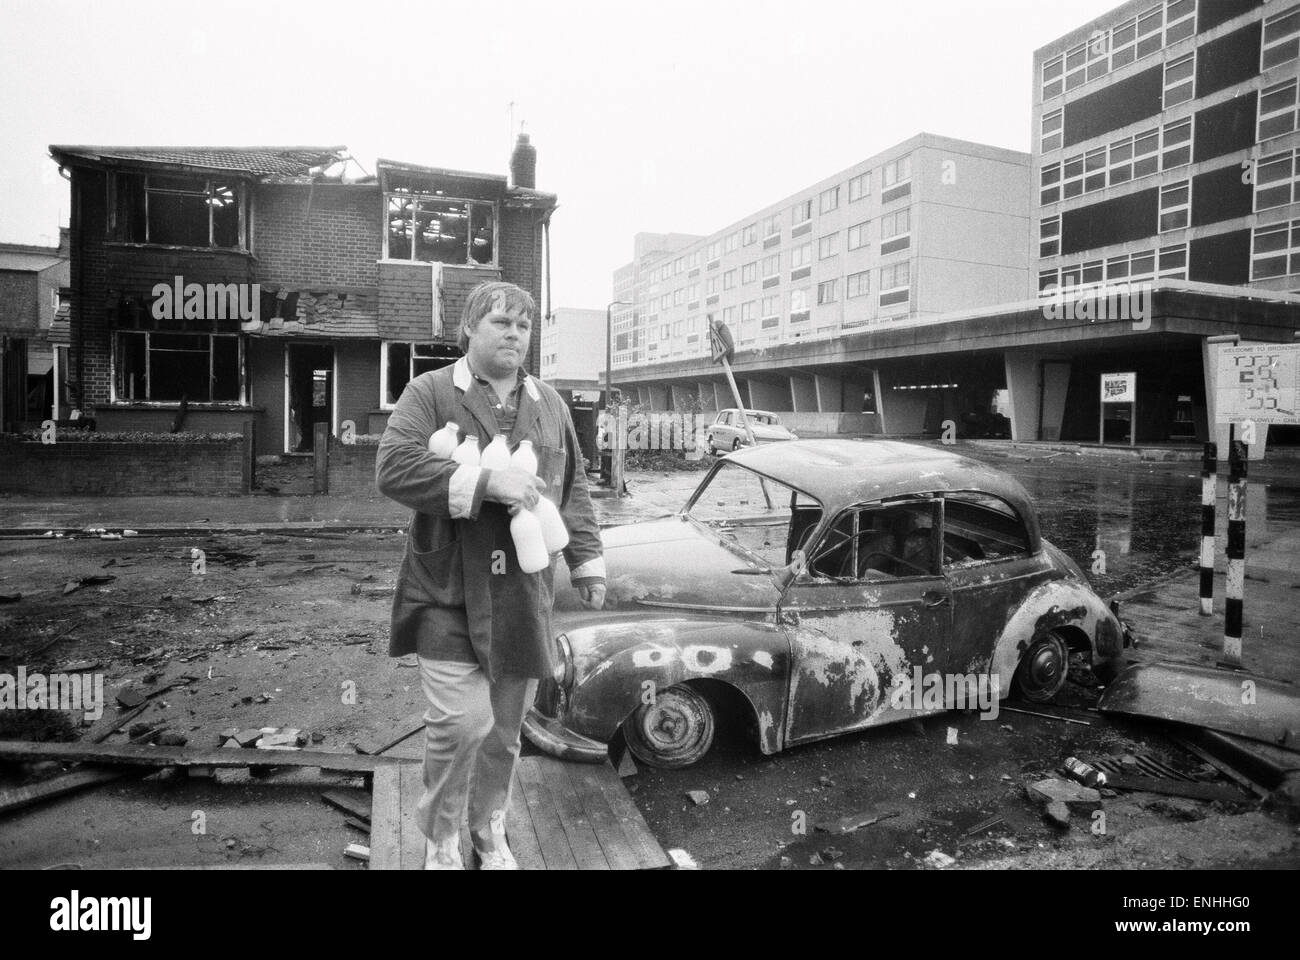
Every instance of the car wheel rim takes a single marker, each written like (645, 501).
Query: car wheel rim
(677, 727)
(1044, 669)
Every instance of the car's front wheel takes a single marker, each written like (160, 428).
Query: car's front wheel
(676, 730)
(1043, 669)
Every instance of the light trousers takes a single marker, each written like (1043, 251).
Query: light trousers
(471, 744)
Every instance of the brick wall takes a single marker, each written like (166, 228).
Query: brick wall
(352, 469)
(406, 299)
(75, 468)
(358, 387)
(324, 235)
(521, 261)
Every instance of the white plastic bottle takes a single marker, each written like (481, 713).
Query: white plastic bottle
(496, 456)
(530, 546)
(467, 452)
(554, 533)
(442, 443)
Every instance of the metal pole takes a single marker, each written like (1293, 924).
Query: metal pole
(735, 392)
(1209, 494)
(1236, 552)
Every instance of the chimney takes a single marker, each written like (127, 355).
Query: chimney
(523, 164)
(65, 242)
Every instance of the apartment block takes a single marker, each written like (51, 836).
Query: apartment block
(926, 227)
(1166, 146)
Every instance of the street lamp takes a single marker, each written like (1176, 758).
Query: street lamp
(607, 458)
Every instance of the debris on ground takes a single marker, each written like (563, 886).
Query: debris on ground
(683, 860)
(698, 797)
(938, 859)
(1057, 813)
(1074, 795)
(857, 821)
(357, 851)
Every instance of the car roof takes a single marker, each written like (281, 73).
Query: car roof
(766, 413)
(844, 472)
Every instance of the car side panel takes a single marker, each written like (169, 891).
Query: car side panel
(622, 664)
(1057, 603)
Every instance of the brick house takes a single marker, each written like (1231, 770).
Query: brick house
(360, 282)
(33, 280)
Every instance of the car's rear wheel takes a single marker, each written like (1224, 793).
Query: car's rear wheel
(735, 444)
(1043, 669)
(674, 731)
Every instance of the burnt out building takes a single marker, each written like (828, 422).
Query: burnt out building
(222, 285)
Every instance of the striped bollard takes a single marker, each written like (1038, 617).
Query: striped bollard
(1236, 552)
(1209, 477)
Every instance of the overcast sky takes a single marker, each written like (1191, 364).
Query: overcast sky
(665, 116)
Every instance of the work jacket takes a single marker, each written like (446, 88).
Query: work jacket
(459, 551)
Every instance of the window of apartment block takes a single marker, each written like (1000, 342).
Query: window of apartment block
(1275, 250)
(1053, 82)
(748, 310)
(1180, 77)
(1134, 157)
(663, 331)
(858, 284)
(1072, 177)
(1071, 276)
(1180, 20)
(828, 246)
(1047, 280)
(1175, 204)
(826, 291)
(1091, 272)
(731, 243)
(897, 171)
(828, 200)
(1050, 183)
(1281, 38)
(895, 231)
(710, 286)
(433, 229)
(1052, 131)
(1275, 180)
(178, 211)
(1098, 55)
(771, 315)
(728, 279)
(679, 327)
(801, 211)
(1150, 38)
(157, 367)
(1277, 110)
(800, 309)
(1123, 43)
(858, 237)
(801, 261)
(1177, 144)
(772, 270)
(401, 362)
(1094, 170)
(692, 296)
(714, 253)
(728, 317)
(895, 283)
(749, 234)
(749, 272)
(1076, 66)
(679, 296)
(772, 226)
(1049, 236)
(665, 301)
(1173, 262)
(859, 186)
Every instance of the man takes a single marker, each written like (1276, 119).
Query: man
(480, 626)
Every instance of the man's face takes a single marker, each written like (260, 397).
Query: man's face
(499, 343)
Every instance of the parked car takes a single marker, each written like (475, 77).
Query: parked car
(799, 588)
(727, 432)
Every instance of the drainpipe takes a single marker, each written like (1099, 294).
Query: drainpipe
(77, 313)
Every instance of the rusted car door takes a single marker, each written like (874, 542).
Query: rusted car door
(859, 623)
(990, 570)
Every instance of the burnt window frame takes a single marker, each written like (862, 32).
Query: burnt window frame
(418, 197)
(120, 226)
(117, 360)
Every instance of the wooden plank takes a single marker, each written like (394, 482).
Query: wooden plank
(556, 853)
(412, 840)
(573, 817)
(152, 756)
(386, 819)
(59, 786)
(609, 831)
(650, 855)
(520, 831)
(349, 804)
(1178, 788)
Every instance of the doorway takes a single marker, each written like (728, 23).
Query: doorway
(309, 394)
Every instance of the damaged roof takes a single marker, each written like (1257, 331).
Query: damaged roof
(253, 161)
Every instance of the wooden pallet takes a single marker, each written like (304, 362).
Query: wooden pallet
(562, 816)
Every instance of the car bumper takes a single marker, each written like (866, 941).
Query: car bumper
(554, 738)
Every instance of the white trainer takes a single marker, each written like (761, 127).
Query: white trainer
(499, 857)
(443, 855)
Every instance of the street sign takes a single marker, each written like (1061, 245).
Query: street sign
(1119, 388)
(1258, 382)
(720, 342)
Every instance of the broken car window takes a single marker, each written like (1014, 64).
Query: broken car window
(752, 511)
(878, 542)
(978, 527)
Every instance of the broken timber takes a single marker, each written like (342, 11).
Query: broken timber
(562, 816)
(151, 756)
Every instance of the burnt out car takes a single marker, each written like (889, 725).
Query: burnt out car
(803, 589)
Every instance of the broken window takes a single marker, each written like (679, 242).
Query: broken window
(878, 542)
(157, 367)
(434, 229)
(178, 211)
(978, 527)
(753, 513)
(403, 362)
